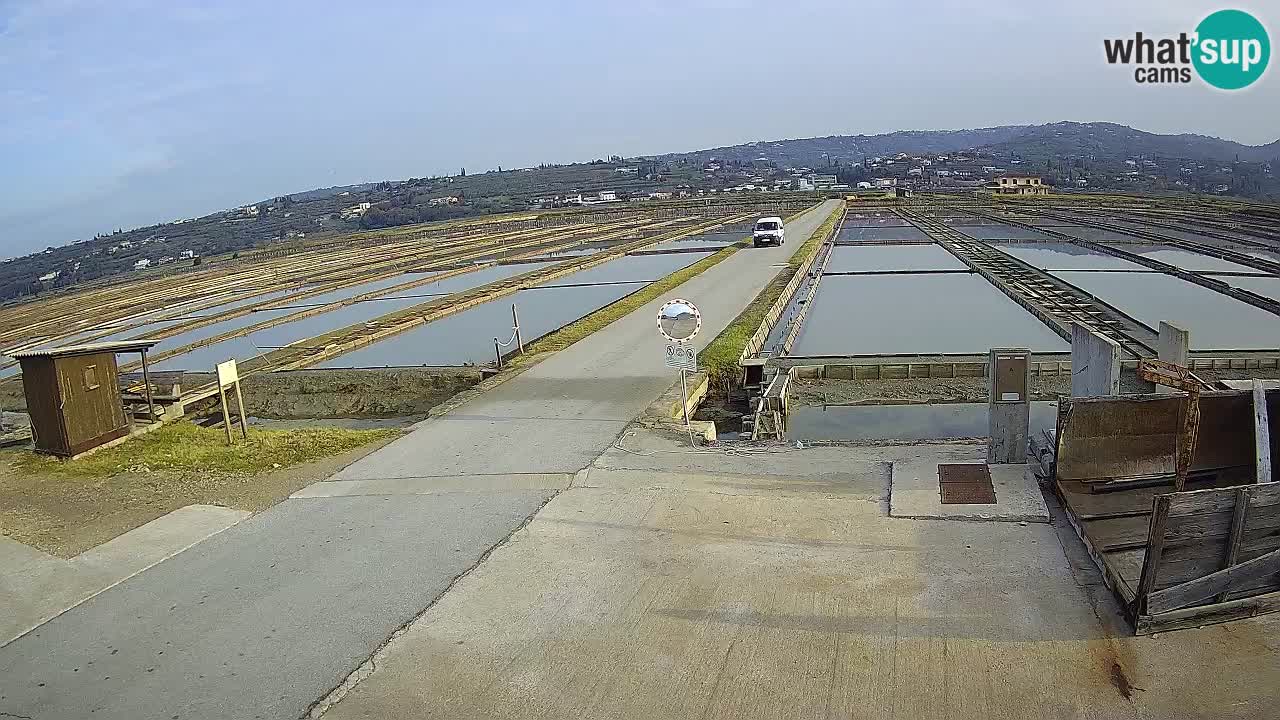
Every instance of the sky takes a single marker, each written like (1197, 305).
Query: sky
(131, 112)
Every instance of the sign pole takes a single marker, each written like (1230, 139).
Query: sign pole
(684, 393)
(244, 419)
(679, 321)
(226, 416)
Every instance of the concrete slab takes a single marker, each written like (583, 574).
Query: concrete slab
(436, 484)
(915, 492)
(35, 587)
(660, 593)
(821, 484)
(447, 446)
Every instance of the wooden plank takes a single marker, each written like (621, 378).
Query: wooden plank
(1222, 499)
(1242, 504)
(1113, 580)
(1155, 546)
(1127, 564)
(1123, 533)
(1261, 433)
(1197, 528)
(1206, 587)
(1128, 532)
(1208, 614)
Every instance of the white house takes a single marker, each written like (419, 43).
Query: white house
(357, 210)
(47, 277)
(142, 264)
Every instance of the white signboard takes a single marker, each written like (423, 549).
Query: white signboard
(229, 377)
(227, 373)
(682, 357)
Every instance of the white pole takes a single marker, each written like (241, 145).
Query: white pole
(515, 319)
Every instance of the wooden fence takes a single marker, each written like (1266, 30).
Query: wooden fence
(1208, 554)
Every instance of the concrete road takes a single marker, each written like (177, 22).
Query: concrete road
(269, 616)
(671, 584)
(563, 413)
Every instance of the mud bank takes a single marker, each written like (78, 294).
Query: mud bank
(364, 393)
(818, 392)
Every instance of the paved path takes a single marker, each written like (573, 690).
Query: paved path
(267, 617)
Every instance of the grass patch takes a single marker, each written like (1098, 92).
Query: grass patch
(720, 358)
(186, 447)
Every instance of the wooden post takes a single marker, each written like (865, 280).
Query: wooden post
(226, 416)
(1186, 441)
(1238, 519)
(497, 351)
(146, 383)
(1155, 548)
(1180, 378)
(244, 418)
(1261, 433)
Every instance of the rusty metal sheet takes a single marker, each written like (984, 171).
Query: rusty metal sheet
(965, 484)
(964, 473)
(968, 494)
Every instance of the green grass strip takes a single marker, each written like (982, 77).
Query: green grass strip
(187, 447)
(720, 358)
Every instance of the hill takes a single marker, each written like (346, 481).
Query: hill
(1082, 155)
(1061, 139)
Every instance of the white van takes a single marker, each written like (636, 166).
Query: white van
(768, 230)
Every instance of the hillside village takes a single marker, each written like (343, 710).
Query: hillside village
(1066, 156)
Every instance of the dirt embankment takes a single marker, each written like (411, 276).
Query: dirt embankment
(816, 392)
(353, 393)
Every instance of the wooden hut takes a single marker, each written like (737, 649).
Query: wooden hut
(73, 395)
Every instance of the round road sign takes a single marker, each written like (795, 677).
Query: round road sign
(679, 320)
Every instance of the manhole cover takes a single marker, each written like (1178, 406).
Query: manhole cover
(967, 473)
(966, 484)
